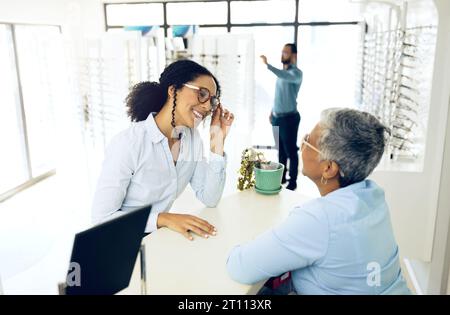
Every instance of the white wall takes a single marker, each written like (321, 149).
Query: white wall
(419, 219)
(413, 196)
(440, 260)
(34, 256)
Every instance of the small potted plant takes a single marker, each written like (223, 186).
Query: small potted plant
(257, 172)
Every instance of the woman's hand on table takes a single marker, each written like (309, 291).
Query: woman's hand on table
(185, 224)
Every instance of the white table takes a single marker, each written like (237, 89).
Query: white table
(176, 265)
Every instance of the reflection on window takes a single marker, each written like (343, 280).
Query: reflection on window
(135, 14)
(195, 13)
(336, 11)
(269, 41)
(13, 166)
(273, 11)
(40, 62)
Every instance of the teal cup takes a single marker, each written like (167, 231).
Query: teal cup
(269, 178)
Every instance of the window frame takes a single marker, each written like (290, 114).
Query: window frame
(296, 24)
(20, 106)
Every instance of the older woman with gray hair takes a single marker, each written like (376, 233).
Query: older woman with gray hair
(342, 242)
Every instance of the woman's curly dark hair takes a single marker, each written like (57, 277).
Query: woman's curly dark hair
(147, 97)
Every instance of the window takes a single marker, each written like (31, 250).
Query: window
(211, 30)
(269, 41)
(13, 166)
(197, 13)
(328, 57)
(337, 11)
(263, 11)
(31, 63)
(134, 14)
(40, 59)
(328, 48)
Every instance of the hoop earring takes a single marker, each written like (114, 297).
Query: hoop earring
(323, 181)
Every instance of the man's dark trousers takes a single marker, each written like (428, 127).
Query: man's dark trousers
(285, 129)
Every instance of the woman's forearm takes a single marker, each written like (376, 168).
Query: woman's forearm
(217, 149)
(161, 221)
(217, 141)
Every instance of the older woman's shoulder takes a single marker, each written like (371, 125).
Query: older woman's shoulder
(315, 207)
(354, 202)
(322, 210)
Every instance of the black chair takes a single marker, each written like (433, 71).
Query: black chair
(103, 257)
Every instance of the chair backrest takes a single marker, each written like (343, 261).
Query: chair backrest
(103, 257)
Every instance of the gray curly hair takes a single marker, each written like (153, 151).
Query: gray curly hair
(355, 140)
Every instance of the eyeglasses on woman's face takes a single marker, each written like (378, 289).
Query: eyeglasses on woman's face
(305, 142)
(204, 95)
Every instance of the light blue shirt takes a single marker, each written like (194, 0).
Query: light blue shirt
(341, 243)
(138, 170)
(286, 88)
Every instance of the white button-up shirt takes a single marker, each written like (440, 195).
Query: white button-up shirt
(138, 170)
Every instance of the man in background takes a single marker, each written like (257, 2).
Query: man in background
(284, 117)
